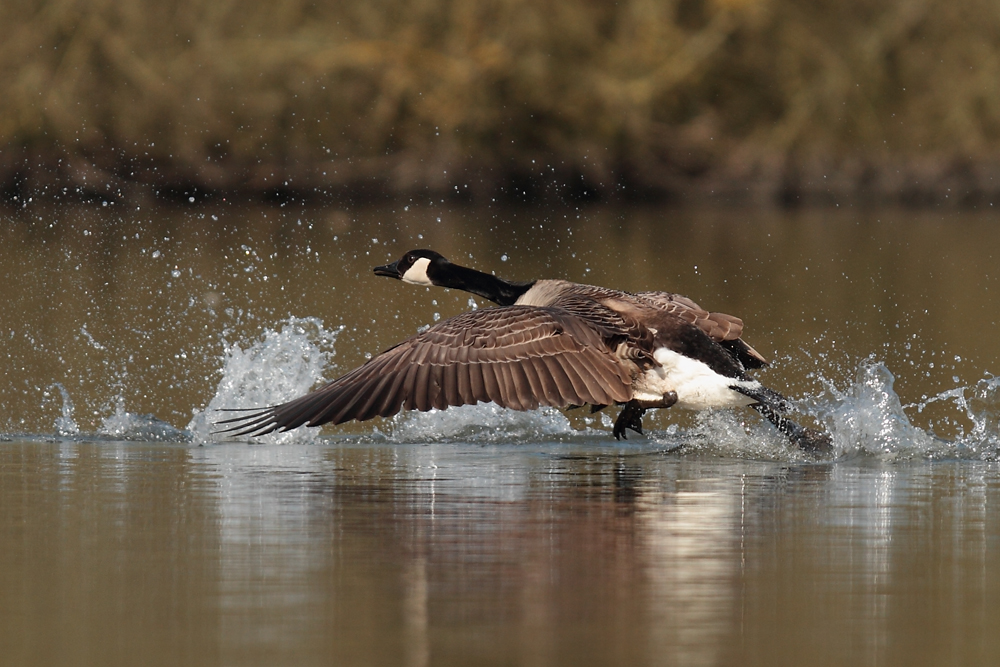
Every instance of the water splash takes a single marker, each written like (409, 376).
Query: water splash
(485, 422)
(730, 433)
(280, 365)
(983, 409)
(980, 405)
(865, 417)
(65, 424)
(124, 425)
(868, 417)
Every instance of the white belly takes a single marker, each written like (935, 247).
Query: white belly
(698, 387)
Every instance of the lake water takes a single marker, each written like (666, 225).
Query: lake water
(129, 533)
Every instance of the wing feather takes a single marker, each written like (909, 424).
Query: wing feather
(477, 386)
(549, 390)
(564, 386)
(522, 386)
(492, 384)
(417, 395)
(436, 391)
(374, 395)
(516, 356)
(718, 326)
(450, 393)
(508, 386)
(395, 396)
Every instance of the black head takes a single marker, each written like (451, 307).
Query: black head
(426, 267)
(417, 267)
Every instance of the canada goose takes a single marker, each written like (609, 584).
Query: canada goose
(550, 342)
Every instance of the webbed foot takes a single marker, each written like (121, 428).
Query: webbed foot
(807, 439)
(629, 417)
(812, 441)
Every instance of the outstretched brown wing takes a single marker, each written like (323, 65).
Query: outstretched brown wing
(518, 357)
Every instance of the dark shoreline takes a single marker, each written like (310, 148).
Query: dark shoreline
(760, 181)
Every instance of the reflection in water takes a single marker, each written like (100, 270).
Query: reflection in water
(107, 552)
(265, 555)
(416, 637)
(451, 553)
(690, 543)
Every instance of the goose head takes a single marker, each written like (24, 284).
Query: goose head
(418, 267)
(426, 267)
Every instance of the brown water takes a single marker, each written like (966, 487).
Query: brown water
(586, 553)
(477, 536)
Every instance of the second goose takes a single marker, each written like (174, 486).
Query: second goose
(549, 342)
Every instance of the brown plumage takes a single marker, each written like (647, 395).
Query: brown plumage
(517, 357)
(551, 343)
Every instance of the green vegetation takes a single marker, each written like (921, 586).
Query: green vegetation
(415, 94)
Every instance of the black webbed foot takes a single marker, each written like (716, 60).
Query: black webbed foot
(811, 440)
(632, 412)
(629, 417)
(806, 439)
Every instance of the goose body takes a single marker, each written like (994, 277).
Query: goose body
(656, 335)
(549, 342)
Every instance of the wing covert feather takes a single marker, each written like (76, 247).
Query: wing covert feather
(718, 326)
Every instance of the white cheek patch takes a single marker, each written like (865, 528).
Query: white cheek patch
(417, 274)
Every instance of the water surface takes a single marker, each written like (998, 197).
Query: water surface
(477, 535)
(464, 553)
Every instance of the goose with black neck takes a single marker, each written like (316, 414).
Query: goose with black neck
(548, 342)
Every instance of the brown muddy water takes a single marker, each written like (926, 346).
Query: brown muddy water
(130, 534)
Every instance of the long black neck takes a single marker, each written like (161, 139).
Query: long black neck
(497, 290)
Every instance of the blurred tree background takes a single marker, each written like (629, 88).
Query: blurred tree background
(781, 100)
